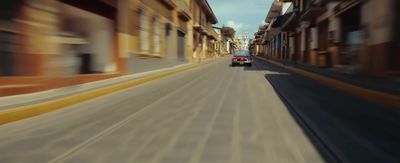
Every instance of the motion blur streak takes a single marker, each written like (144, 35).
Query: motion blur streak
(200, 81)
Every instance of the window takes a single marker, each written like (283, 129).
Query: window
(156, 36)
(144, 35)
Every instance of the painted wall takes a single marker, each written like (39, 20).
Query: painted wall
(378, 22)
(97, 31)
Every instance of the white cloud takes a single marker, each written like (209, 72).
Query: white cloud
(233, 24)
(240, 28)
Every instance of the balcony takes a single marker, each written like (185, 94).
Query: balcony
(211, 32)
(314, 9)
(292, 23)
(184, 10)
(274, 11)
(262, 28)
(260, 32)
(345, 6)
(171, 4)
(313, 12)
(258, 35)
(281, 20)
(200, 28)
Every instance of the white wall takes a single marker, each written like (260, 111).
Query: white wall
(286, 8)
(314, 38)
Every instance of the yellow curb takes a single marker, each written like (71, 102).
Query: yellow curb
(371, 95)
(15, 114)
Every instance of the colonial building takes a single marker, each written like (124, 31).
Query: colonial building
(229, 34)
(58, 37)
(343, 35)
(155, 30)
(259, 42)
(66, 39)
(204, 35)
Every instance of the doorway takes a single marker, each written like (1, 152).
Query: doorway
(170, 39)
(323, 31)
(181, 46)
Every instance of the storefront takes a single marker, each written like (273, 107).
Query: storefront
(88, 29)
(181, 46)
(182, 38)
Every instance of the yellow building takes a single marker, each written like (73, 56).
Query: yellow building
(70, 38)
(155, 29)
(204, 36)
(170, 29)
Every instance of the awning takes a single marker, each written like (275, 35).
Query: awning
(213, 35)
(313, 13)
(281, 20)
(274, 11)
(292, 23)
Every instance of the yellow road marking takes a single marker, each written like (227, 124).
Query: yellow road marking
(371, 95)
(15, 114)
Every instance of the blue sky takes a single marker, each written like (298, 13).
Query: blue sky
(243, 15)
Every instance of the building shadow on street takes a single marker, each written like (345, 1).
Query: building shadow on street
(343, 127)
(259, 65)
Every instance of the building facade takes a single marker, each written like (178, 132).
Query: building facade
(70, 38)
(342, 35)
(204, 35)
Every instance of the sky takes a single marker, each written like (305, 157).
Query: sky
(243, 15)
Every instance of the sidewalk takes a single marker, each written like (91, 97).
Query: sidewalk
(20, 107)
(386, 85)
(349, 128)
(43, 96)
(381, 90)
(145, 64)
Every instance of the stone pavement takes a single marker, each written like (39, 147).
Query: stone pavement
(213, 114)
(353, 129)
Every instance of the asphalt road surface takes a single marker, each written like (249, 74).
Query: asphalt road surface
(213, 114)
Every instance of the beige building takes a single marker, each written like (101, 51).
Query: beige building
(67, 39)
(155, 29)
(113, 32)
(204, 36)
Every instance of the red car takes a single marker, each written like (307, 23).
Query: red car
(242, 58)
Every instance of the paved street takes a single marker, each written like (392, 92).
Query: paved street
(213, 114)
